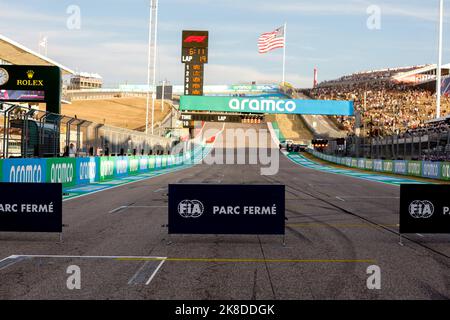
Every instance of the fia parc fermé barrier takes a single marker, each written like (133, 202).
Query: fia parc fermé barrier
(246, 209)
(80, 171)
(425, 169)
(31, 207)
(424, 208)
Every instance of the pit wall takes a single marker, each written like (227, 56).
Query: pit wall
(80, 171)
(425, 169)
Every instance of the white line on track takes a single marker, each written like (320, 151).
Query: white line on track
(14, 259)
(126, 207)
(187, 166)
(339, 198)
(368, 197)
(136, 275)
(10, 257)
(86, 257)
(155, 272)
(163, 259)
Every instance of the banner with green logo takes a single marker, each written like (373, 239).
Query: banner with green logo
(265, 105)
(61, 170)
(445, 173)
(164, 161)
(133, 165)
(388, 166)
(106, 168)
(369, 164)
(415, 168)
(152, 162)
(143, 163)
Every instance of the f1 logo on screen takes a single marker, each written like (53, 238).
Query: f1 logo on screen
(195, 39)
(246, 209)
(198, 39)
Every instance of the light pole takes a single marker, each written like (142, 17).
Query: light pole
(151, 69)
(439, 65)
(162, 102)
(154, 64)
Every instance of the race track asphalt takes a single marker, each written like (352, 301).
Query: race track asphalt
(338, 226)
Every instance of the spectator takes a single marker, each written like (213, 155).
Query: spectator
(72, 150)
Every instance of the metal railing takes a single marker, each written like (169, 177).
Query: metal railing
(429, 143)
(28, 132)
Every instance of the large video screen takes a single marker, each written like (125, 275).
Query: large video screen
(21, 95)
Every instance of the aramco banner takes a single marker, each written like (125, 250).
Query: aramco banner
(261, 105)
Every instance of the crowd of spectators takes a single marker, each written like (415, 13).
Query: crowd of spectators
(385, 107)
(369, 76)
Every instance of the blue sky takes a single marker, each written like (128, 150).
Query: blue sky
(328, 34)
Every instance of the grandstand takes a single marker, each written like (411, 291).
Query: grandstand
(395, 113)
(389, 101)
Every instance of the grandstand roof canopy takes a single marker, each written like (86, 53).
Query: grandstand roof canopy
(15, 53)
(422, 74)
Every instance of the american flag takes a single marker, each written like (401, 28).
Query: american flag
(271, 40)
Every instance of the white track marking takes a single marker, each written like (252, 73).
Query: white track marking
(87, 257)
(117, 209)
(127, 183)
(133, 279)
(15, 259)
(10, 257)
(155, 272)
(362, 197)
(126, 207)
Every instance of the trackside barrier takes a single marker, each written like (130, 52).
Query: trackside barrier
(401, 167)
(426, 169)
(24, 170)
(80, 171)
(61, 170)
(445, 171)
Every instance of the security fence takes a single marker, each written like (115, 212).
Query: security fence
(430, 143)
(27, 133)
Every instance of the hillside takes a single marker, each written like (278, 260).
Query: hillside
(119, 112)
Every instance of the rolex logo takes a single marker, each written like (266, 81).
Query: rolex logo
(30, 82)
(30, 74)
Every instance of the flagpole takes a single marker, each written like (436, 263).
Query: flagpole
(439, 64)
(284, 55)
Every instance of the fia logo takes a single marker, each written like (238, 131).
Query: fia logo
(190, 208)
(421, 209)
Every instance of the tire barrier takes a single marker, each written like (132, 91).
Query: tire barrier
(425, 169)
